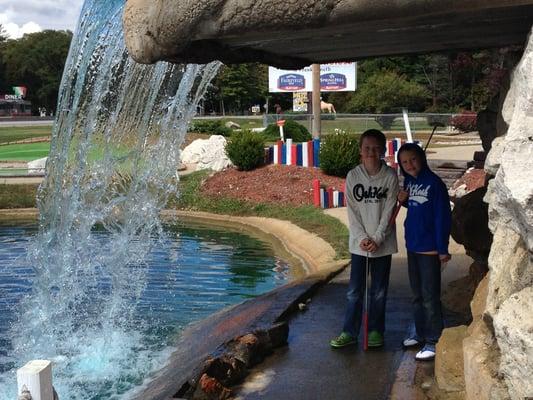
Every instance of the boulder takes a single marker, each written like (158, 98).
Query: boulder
(513, 325)
(207, 153)
(449, 360)
(37, 167)
(470, 225)
(481, 354)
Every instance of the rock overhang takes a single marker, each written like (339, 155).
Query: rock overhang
(295, 33)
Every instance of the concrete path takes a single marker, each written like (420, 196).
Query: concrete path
(308, 368)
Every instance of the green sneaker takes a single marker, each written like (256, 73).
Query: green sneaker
(344, 339)
(375, 339)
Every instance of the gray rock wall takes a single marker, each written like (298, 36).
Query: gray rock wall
(508, 316)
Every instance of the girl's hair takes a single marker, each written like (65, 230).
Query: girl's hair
(376, 134)
(412, 147)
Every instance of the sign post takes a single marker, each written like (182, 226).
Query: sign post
(280, 123)
(317, 123)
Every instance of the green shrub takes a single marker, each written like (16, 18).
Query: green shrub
(213, 127)
(246, 150)
(385, 121)
(291, 130)
(339, 153)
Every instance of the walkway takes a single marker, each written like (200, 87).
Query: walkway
(308, 369)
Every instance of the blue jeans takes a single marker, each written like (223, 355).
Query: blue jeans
(379, 274)
(424, 277)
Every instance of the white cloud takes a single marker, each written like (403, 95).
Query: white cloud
(25, 16)
(14, 31)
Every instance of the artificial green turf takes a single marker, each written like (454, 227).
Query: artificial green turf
(24, 152)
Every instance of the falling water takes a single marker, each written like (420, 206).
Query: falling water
(113, 161)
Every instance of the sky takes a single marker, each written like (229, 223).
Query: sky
(26, 16)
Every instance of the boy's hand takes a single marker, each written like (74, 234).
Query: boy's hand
(364, 244)
(403, 196)
(368, 245)
(444, 258)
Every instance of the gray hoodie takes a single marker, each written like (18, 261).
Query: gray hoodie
(371, 201)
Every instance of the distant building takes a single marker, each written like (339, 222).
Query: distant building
(14, 105)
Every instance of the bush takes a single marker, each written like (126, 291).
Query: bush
(213, 127)
(385, 121)
(439, 120)
(339, 153)
(246, 150)
(466, 122)
(292, 130)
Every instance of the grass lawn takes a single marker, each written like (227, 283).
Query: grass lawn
(18, 196)
(13, 134)
(24, 152)
(307, 217)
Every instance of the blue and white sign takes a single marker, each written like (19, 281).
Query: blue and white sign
(291, 82)
(334, 77)
(333, 82)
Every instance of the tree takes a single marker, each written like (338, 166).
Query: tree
(237, 87)
(36, 61)
(388, 92)
(3, 34)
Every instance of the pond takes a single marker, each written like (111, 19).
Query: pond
(193, 272)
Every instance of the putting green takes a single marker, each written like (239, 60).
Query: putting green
(24, 152)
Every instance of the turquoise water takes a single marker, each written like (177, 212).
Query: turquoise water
(191, 273)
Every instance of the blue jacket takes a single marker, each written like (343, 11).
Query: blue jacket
(428, 222)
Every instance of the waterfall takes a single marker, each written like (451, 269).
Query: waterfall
(113, 162)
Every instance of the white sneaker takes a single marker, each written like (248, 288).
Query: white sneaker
(426, 354)
(410, 342)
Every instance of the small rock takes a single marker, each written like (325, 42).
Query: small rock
(232, 125)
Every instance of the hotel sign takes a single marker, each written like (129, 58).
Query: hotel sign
(334, 77)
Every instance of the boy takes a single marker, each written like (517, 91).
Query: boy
(371, 191)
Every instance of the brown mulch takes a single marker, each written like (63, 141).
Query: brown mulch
(278, 184)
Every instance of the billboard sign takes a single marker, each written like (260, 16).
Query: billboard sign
(19, 93)
(334, 77)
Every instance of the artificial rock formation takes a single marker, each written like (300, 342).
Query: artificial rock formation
(499, 351)
(295, 33)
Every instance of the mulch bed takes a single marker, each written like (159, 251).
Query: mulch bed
(278, 184)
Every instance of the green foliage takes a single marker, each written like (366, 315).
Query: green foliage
(36, 61)
(388, 92)
(246, 150)
(339, 153)
(385, 121)
(237, 87)
(213, 127)
(291, 130)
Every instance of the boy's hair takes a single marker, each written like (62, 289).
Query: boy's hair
(412, 147)
(376, 134)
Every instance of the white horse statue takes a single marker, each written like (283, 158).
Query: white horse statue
(327, 107)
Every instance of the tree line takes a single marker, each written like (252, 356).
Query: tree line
(440, 83)
(36, 61)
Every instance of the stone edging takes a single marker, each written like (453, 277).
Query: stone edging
(317, 255)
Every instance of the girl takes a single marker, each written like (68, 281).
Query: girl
(427, 231)
(371, 191)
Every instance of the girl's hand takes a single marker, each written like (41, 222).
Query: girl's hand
(364, 244)
(444, 258)
(403, 196)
